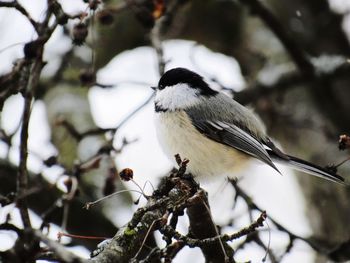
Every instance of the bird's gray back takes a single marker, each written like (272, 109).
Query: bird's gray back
(222, 108)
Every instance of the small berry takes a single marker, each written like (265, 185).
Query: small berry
(80, 32)
(68, 184)
(126, 174)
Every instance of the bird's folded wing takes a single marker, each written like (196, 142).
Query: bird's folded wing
(233, 136)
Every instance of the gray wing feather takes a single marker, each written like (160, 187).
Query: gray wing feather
(231, 135)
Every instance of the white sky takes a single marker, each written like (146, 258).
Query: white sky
(280, 195)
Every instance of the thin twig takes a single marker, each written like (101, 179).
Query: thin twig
(67, 200)
(97, 131)
(168, 253)
(35, 67)
(226, 258)
(286, 82)
(253, 206)
(123, 82)
(22, 179)
(192, 242)
(157, 30)
(157, 44)
(131, 114)
(145, 238)
(60, 251)
(61, 234)
(90, 204)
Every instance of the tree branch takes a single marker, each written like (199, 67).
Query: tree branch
(158, 29)
(289, 81)
(296, 53)
(59, 250)
(22, 178)
(252, 206)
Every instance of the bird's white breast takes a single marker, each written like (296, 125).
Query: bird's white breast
(176, 134)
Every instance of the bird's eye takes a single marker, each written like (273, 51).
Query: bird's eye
(160, 87)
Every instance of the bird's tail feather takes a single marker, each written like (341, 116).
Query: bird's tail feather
(308, 167)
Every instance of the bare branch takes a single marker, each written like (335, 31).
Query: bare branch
(192, 242)
(296, 53)
(157, 44)
(286, 82)
(157, 30)
(22, 179)
(313, 243)
(60, 251)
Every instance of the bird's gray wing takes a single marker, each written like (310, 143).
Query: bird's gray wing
(233, 136)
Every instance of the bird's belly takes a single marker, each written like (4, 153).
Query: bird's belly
(176, 134)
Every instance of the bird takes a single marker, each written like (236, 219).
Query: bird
(218, 135)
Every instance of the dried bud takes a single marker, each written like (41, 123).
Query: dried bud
(68, 184)
(105, 17)
(80, 32)
(126, 174)
(52, 160)
(159, 9)
(87, 77)
(344, 142)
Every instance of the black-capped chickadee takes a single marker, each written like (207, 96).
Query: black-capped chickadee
(217, 134)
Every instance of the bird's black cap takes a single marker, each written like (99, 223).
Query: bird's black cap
(181, 75)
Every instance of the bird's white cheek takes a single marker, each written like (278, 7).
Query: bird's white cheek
(178, 96)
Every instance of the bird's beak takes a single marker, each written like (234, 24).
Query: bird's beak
(154, 88)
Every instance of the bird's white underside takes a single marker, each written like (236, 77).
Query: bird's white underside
(207, 158)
